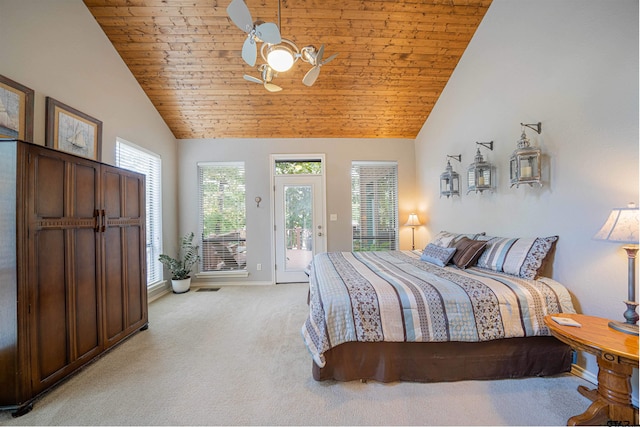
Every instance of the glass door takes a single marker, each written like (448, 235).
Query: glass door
(299, 228)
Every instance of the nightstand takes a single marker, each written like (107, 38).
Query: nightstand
(617, 355)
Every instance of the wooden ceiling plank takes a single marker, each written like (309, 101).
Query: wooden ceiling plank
(395, 58)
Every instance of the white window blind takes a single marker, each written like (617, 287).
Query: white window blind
(222, 216)
(134, 158)
(374, 205)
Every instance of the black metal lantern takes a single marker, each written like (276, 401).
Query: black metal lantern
(481, 174)
(525, 164)
(450, 180)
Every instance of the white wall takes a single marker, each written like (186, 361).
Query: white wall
(255, 153)
(572, 65)
(58, 49)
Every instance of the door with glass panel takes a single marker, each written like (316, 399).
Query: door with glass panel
(299, 226)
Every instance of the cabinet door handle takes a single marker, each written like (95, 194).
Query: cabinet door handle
(98, 218)
(104, 221)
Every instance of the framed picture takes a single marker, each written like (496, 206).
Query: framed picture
(16, 110)
(72, 131)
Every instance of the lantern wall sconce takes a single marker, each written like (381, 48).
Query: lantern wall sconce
(481, 175)
(449, 179)
(525, 163)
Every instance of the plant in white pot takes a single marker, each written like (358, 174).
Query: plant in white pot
(180, 267)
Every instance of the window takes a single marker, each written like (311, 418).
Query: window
(222, 216)
(134, 158)
(374, 205)
(298, 167)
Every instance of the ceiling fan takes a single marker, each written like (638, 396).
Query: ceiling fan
(267, 76)
(279, 53)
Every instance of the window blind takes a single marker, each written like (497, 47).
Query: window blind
(222, 207)
(374, 205)
(134, 158)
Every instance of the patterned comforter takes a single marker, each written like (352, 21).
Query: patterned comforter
(394, 296)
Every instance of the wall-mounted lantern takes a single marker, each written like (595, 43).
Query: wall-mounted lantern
(449, 179)
(525, 165)
(481, 174)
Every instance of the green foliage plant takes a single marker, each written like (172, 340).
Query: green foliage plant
(188, 256)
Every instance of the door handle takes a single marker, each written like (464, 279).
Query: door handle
(104, 221)
(98, 218)
(320, 234)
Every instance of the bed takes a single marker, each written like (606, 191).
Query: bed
(394, 316)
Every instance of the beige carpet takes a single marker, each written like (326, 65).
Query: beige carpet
(236, 357)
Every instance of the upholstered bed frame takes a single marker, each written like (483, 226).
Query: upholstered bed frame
(445, 361)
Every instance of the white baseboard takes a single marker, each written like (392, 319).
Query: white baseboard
(157, 290)
(580, 372)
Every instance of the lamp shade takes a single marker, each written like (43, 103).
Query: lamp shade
(621, 226)
(412, 221)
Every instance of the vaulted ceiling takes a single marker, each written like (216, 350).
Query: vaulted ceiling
(394, 59)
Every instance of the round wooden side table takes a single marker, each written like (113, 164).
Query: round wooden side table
(617, 355)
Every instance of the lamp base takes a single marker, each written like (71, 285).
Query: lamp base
(627, 328)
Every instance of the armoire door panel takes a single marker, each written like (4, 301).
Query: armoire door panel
(132, 200)
(51, 327)
(111, 194)
(85, 194)
(113, 289)
(86, 292)
(49, 188)
(134, 276)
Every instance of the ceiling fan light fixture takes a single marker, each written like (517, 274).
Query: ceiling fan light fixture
(280, 57)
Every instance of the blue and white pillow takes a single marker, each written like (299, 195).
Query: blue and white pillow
(437, 254)
(520, 257)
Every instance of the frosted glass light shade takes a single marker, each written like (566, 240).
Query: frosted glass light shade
(280, 58)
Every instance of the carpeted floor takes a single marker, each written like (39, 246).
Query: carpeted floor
(236, 357)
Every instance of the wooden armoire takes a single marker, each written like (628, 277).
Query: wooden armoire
(72, 266)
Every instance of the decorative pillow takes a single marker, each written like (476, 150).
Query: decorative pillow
(521, 257)
(446, 239)
(437, 254)
(467, 252)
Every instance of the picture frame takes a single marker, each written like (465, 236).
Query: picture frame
(16, 110)
(72, 131)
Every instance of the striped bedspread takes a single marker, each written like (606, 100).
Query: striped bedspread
(394, 296)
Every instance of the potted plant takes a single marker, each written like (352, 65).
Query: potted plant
(180, 268)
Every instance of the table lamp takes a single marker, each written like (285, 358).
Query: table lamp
(412, 222)
(622, 227)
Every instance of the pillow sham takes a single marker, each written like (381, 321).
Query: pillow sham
(447, 239)
(520, 257)
(437, 254)
(467, 252)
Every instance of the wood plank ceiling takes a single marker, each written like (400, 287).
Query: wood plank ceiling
(395, 58)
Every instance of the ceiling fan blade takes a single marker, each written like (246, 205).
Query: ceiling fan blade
(250, 51)
(319, 55)
(331, 58)
(268, 32)
(311, 76)
(272, 88)
(240, 15)
(252, 79)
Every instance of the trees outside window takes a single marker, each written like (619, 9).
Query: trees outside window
(374, 205)
(222, 199)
